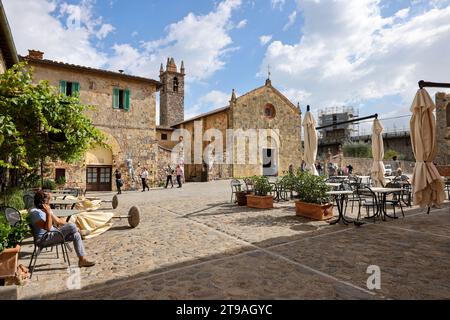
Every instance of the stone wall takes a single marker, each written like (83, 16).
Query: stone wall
(363, 166)
(131, 134)
(248, 113)
(443, 128)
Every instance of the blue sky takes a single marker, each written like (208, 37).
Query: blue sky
(363, 53)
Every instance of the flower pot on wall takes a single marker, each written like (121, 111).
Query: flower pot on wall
(314, 211)
(241, 197)
(8, 262)
(259, 202)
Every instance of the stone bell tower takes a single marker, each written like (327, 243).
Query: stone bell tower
(172, 94)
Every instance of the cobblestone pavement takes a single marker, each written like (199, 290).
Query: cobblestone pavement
(192, 243)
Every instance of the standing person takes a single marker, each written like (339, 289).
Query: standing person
(119, 182)
(179, 174)
(291, 169)
(319, 168)
(169, 173)
(350, 169)
(144, 176)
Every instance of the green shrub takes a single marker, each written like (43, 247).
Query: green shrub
(13, 198)
(12, 236)
(60, 181)
(261, 185)
(358, 150)
(312, 189)
(49, 185)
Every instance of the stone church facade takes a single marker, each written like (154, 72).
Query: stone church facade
(264, 110)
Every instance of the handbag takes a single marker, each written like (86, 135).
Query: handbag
(120, 183)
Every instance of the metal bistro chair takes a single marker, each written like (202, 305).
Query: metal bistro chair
(39, 245)
(249, 185)
(347, 186)
(235, 187)
(367, 199)
(447, 187)
(12, 215)
(397, 197)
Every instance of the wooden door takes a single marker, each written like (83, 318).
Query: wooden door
(98, 178)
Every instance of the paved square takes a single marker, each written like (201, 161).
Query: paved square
(192, 243)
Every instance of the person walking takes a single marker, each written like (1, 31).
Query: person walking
(179, 174)
(169, 173)
(119, 182)
(144, 176)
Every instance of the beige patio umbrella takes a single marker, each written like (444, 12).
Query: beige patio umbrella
(427, 183)
(377, 171)
(310, 151)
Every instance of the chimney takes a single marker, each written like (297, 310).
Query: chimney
(35, 54)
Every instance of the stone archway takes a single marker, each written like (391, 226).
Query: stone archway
(99, 165)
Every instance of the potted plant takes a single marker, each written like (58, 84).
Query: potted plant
(313, 199)
(60, 182)
(10, 239)
(261, 199)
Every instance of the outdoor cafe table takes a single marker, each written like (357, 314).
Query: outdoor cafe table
(64, 203)
(62, 213)
(333, 185)
(381, 196)
(339, 196)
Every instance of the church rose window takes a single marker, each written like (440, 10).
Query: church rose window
(269, 111)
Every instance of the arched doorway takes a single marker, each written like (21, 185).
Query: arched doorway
(99, 162)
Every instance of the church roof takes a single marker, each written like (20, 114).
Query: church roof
(75, 67)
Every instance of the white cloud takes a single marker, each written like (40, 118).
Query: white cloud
(38, 24)
(402, 14)
(241, 24)
(278, 3)
(350, 54)
(291, 20)
(202, 41)
(212, 100)
(104, 31)
(265, 39)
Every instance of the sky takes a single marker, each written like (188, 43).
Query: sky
(366, 54)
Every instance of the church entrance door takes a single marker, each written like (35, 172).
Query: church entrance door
(270, 165)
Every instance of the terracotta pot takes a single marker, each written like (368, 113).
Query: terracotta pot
(8, 262)
(259, 202)
(241, 197)
(314, 211)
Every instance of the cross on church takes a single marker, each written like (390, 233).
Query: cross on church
(268, 72)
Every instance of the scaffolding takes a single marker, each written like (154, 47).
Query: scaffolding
(337, 123)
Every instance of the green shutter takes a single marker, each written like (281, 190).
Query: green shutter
(127, 100)
(63, 87)
(116, 99)
(76, 87)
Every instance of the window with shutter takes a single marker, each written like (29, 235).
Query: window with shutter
(116, 98)
(127, 100)
(76, 87)
(62, 86)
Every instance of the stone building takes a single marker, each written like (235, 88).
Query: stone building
(125, 111)
(264, 109)
(443, 131)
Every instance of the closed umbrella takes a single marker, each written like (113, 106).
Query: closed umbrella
(378, 154)
(309, 125)
(426, 182)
